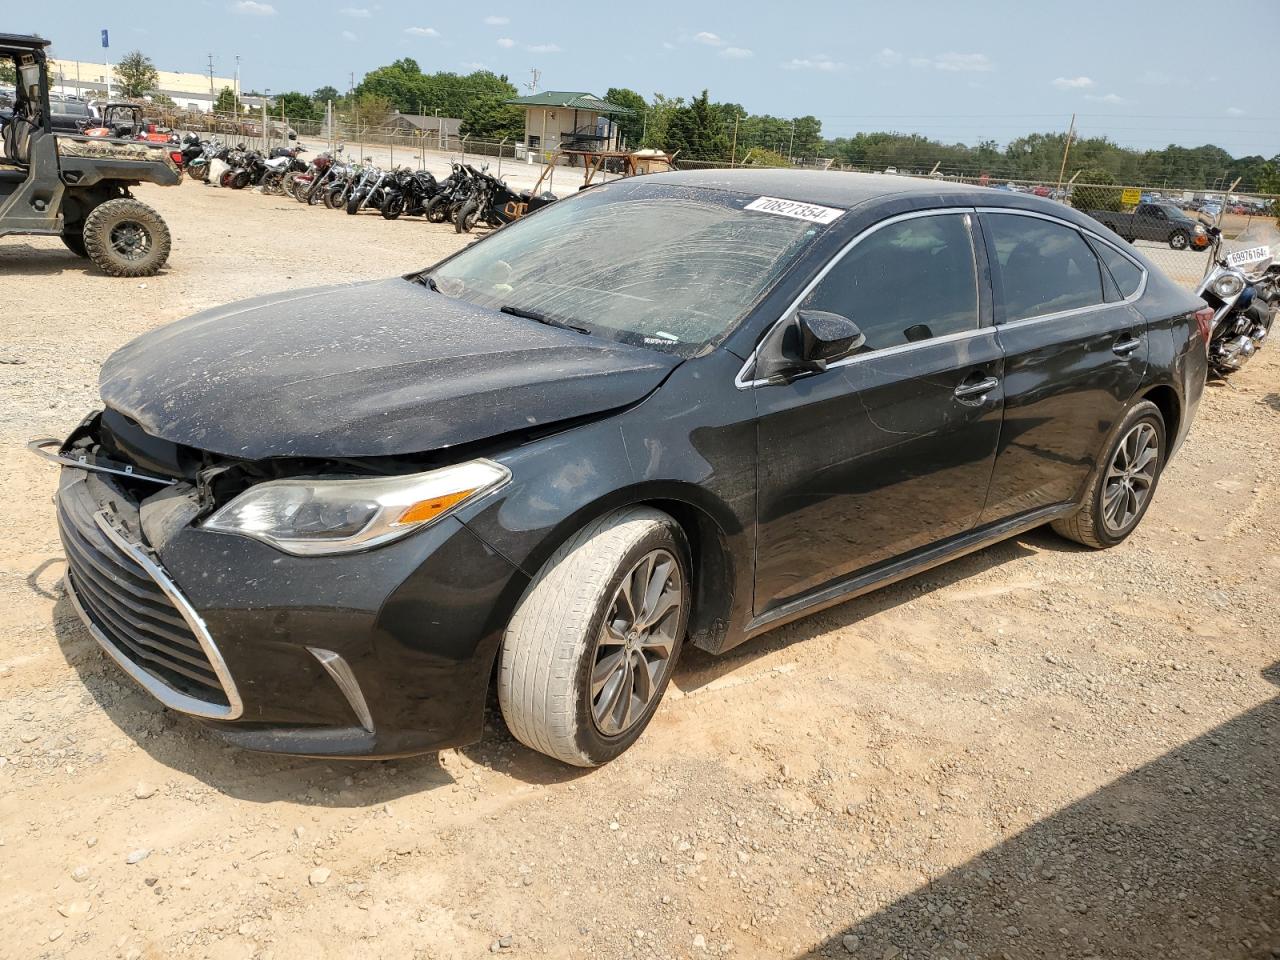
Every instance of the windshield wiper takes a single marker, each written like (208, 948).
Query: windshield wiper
(428, 281)
(537, 317)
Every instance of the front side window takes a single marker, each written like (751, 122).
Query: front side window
(1045, 267)
(668, 267)
(909, 281)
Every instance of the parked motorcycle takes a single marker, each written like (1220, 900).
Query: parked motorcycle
(447, 190)
(1243, 288)
(407, 194)
(491, 201)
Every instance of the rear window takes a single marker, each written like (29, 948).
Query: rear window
(1045, 267)
(70, 109)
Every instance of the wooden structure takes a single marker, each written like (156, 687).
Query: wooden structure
(626, 164)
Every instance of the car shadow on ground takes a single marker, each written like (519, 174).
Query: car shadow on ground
(1179, 858)
(1272, 400)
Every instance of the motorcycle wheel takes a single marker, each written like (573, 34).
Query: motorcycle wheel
(436, 210)
(239, 180)
(467, 217)
(199, 172)
(334, 196)
(225, 179)
(353, 203)
(392, 207)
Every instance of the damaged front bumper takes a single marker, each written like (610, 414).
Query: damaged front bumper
(383, 653)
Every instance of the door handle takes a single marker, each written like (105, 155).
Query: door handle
(1122, 348)
(982, 387)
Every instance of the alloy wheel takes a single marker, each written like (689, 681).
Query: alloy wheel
(130, 239)
(634, 650)
(1130, 477)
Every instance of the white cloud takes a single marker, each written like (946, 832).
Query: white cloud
(422, 31)
(1106, 98)
(736, 53)
(253, 8)
(1235, 111)
(542, 48)
(349, 36)
(819, 62)
(360, 13)
(710, 39)
(1073, 83)
(476, 65)
(963, 62)
(506, 43)
(497, 21)
(888, 58)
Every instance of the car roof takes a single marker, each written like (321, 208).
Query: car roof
(833, 188)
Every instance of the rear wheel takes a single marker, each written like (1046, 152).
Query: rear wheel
(1123, 483)
(126, 238)
(467, 217)
(591, 646)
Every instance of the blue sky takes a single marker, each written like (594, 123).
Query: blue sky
(1145, 73)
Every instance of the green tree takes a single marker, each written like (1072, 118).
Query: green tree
(136, 74)
(324, 94)
(1095, 190)
(658, 123)
(226, 101)
(369, 109)
(162, 100)
(630, 125)
(8, 74)
(697, 131)
(296, 106)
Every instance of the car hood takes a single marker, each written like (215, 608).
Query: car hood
(371, 369)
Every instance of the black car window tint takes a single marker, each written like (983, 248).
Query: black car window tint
(1126, 273)
(1045, 267)
(909, 281)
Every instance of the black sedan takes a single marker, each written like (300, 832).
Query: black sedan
(679, 408)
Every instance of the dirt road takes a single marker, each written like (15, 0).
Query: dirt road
(1034, 752)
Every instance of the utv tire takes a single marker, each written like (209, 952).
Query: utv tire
(126, 238)
(570, 639)
(1132, 462)
(74, 241)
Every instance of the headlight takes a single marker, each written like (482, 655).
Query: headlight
(311, 517)
(1228, 285)
(1198, 228)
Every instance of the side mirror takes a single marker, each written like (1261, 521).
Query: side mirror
(826, 336)
(814, 339)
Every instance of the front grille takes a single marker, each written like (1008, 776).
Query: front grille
(134, 615)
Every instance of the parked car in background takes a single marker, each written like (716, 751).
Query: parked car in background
(748, 396)
(1162, 222)
(70, 115)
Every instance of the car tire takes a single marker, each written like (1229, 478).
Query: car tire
(568, 650)
(1098, 523)
(1179, 240)
(74, 241)
(126, 238)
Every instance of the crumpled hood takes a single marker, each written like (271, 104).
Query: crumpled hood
(370, 369)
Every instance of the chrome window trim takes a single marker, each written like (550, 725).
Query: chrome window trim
(1137, 294)
(170, 697)
(740, 380)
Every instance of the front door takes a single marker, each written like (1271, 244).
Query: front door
(1075, 353)
(889, 450)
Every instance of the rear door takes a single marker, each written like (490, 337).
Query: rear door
(1075, 353)
(889, 450)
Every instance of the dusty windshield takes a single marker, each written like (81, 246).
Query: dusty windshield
(662, 266)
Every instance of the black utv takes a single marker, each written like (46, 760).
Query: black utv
(73, 186)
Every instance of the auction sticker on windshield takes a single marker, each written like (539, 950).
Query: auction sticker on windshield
(1251, 255)
(794, 209)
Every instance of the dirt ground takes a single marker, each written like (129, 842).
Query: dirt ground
(1035, 752)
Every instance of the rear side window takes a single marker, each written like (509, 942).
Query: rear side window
(910, 281)
(1045, 267)
(1126, 273)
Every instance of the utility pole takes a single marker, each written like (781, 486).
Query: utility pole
(211, 93)
(536, 74)
(1066, 148)
(236, 84)
(733, 152)
(792, 143)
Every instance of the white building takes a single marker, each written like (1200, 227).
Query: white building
(80, 78)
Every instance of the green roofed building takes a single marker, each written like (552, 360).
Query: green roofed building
(567, 120)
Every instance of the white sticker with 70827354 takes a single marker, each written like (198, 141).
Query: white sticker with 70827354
(794, 209)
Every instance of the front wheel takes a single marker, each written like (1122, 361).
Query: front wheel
(591, 646)
(126, 238)
(1179, 240)
(436, 210)
(1123, 482)
(393, 206)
